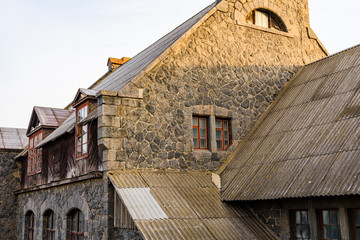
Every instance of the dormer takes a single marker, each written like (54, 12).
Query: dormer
(86, 108)
(43, 121)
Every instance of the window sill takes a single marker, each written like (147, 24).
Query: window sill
(81, 157)
(264, 29)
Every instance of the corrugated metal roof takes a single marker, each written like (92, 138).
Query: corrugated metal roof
(308, 143)
(169, 205)
(141, 203)
(13, 138)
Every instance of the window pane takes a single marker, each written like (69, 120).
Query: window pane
(333, 217)
(202, 133)
(357, 234)
(74, 222)
(334, 233)
(84, 138)
(218, 124)
(196, 142)
(261, 19)
(79, 150)
(84, 129)
(298, 231)
(202, 123)
(327, 232)
(203, 143)
(225, 125)
(325, 215)
(304, 217)
(226, 143)
(219, 144)
(195, 132)
(84, 149)
(81, 222)
(357, 217)
(305, 231)
(218, 134)
(85, 111)
(31, 143)
(195, 121)
(226, 135)
(40, 136)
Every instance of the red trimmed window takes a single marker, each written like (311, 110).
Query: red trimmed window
(77, 223)
(222, 134)
(29, 225)
(82, 131)
(355, 223)
(34, 154)
(49, 225)
(300, 225)
(330, 224)
(200, 133)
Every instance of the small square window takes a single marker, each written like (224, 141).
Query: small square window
(200, 132)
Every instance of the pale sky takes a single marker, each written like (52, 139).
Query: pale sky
(49, 49)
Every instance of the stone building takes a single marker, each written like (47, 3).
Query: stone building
(12, 142)
(133, 155)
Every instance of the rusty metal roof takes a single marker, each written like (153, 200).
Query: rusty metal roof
(174, 205)
(13, 138)
(307, 144)
(47, 117)
(65, 127)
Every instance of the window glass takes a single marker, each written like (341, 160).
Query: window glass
(300, 224)
(355, 223)
(330, 225)
(222, 134)
(82, 130)
(262, 19)
(77, 221)
(200, 132)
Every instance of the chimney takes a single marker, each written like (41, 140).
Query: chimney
(114, 63)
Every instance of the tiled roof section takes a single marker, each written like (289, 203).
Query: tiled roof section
(308, 143)
(124, 74)
(183, 206)
(13, 138)
(53, 117)
(67, 126)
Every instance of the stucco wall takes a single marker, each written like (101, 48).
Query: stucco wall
(225, 68)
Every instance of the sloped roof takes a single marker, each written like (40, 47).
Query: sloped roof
(50, 117)
(308, 143)
(13, 138)
(82, 93)
(67, 126)
(124, 74)
(167, 205)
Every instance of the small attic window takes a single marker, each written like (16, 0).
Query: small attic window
(267, 19)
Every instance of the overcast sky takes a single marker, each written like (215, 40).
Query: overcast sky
(49, 49)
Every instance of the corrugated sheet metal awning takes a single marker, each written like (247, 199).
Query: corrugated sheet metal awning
(167, 205)
(308, 143)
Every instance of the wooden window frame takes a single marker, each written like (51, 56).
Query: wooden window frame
(198, 132)
(222, 139)
(49, 225)
(29, 221)
(78, 135)
(293, 223)
(75, 233)
(352, 222)
(34, 155)
(322, 222)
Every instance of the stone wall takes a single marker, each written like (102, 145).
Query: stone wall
(9, 182)
(92, 197)
(225, 68)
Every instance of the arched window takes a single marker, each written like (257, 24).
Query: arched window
(29, 225)
(265, 18)
(49, 225)
(76, 225)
